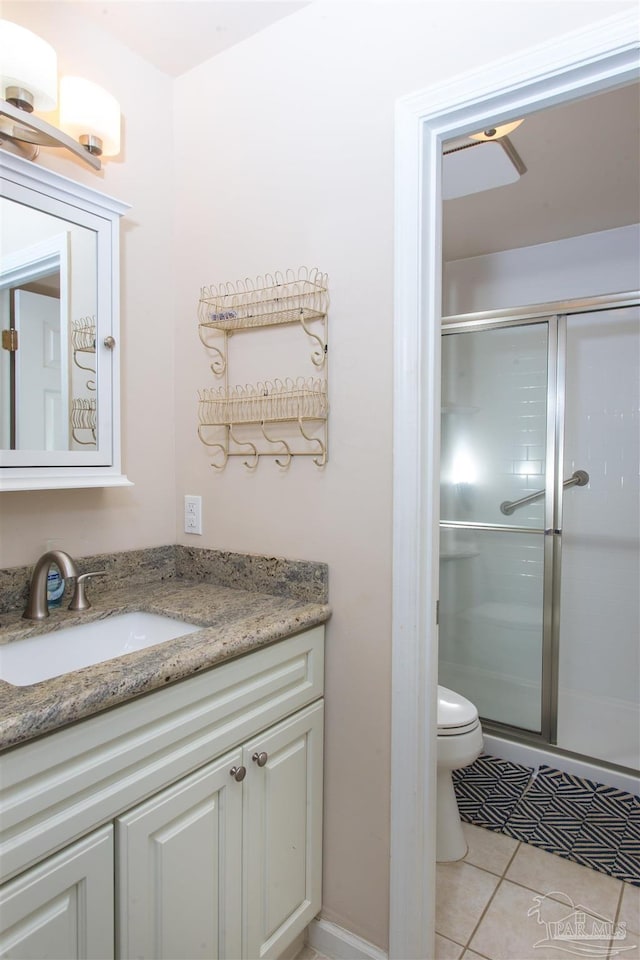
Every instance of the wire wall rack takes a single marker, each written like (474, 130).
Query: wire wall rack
(83, 421)
(300, 296)
(83, 341)
(301, 402)
(239, 420)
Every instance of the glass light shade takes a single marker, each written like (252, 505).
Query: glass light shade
(502, 131)
(481, 166)
(88, 110)
(30, 63)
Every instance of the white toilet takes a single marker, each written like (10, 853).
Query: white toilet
(459, 744)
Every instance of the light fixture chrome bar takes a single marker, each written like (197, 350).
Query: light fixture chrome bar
(579, 478)
(19, 128)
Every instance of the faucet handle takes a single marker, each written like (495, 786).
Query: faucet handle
(79, 600)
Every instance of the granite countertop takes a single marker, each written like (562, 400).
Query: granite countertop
(234, 622)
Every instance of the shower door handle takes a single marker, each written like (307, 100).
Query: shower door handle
(579, 478)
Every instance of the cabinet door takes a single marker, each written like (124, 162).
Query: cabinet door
(282, 839)
(179, 867)
(62, 909)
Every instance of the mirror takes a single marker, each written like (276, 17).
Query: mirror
(59, 360)
(47, 315)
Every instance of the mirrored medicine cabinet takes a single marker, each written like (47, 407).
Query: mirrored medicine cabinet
(59, 356)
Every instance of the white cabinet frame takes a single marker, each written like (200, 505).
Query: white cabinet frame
(71, 202)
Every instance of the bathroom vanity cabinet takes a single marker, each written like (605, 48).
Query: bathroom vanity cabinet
(186, 823)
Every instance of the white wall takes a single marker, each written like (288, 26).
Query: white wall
(293, 164)
(585, 266)
(86, 521)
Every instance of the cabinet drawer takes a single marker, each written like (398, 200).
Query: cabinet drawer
(62, 786)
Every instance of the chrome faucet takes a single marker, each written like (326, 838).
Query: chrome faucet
(37, 607)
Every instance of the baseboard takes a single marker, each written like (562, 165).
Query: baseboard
(333, 941)
(294, 948)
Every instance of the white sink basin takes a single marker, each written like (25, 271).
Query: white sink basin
(52, 654)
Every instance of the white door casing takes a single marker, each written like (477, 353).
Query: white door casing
(580, 64)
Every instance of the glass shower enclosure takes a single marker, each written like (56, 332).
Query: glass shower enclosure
(540, 524)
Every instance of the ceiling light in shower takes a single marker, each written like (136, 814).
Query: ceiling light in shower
(496, 133)
(482, 167)
(483, 162)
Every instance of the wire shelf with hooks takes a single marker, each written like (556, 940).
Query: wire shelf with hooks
(301, 403)
(83, 421)
(83, 341)
(83, 335)
(226, 413)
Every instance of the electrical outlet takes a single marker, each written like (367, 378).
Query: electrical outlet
(192, 514)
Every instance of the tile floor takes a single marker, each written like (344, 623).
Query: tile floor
(496, 904)
(489, 905)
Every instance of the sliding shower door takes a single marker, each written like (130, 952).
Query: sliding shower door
(599, 629)
(492, 574)
(540, 526)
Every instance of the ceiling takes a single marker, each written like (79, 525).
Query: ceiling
(582, 159)
(177, 35)
(583, 175)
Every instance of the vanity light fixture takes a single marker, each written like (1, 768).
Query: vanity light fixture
(89, 116)
(29, 69)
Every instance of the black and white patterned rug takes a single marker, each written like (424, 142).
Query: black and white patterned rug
(594, 825)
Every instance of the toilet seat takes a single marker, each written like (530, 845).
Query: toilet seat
(456, 714)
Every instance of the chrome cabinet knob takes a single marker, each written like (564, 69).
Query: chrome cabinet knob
(109, 342)
(260, 758)
(238, 773)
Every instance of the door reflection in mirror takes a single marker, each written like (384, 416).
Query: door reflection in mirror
(48, 373)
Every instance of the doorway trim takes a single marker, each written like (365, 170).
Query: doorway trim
(602, 56)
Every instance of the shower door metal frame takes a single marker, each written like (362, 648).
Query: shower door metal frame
(555, 316)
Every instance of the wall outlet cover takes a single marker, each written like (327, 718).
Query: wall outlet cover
(192, 514)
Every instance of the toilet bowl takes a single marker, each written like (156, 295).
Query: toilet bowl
(459, 744)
